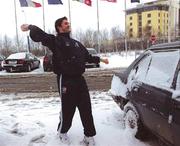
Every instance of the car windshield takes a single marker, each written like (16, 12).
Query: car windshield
(92, 51)
(17, 56)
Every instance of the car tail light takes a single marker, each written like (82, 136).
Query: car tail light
(21, 61)
(46, 59)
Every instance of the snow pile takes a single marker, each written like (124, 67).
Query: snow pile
(118, 88)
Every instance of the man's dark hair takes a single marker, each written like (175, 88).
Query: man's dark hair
(58, 22)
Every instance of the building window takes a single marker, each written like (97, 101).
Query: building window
(131, 30)
(140, 24)
(148, 15)
(130, 18)
(149, 21)
(159, 27)
(159, 20)
(159, 14)
(131, 24)
(149, 28)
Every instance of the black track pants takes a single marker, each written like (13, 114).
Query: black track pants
(74, 93)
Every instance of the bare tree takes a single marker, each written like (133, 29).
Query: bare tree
(6, 46)
(104, 40)
(117, 38)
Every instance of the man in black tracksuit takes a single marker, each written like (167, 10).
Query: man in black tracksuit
(69, 58)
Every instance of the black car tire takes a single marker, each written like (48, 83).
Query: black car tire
(9, 70)
(97, 65)
(28, 68)
(133, 123)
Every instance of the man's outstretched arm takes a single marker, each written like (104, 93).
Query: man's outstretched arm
(38, 35)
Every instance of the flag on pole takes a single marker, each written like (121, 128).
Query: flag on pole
(87, 2)
(29, 3)
(113, 1)
(54, 2)
(134, 1)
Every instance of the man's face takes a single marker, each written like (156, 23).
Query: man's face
(65, 27)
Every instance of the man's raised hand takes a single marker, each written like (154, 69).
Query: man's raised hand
(25, 27)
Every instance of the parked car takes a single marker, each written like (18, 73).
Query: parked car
(47, 62)
(93, 52)
(22, 61)
(148, 92)
(2, 58)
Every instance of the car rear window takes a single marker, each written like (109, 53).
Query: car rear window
(162, 68)
(17, 56)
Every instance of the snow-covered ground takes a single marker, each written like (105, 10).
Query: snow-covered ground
(33, 121)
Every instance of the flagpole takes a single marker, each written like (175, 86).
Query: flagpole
(17, 37)
(28, 41)
(69, 10)
(43, 15)
(69, 7)
(44, 28)
(98, 32)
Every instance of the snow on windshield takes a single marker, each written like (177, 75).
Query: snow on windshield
(162, 68)
(17, 56)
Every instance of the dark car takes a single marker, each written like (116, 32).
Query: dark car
(93, 52)
(2, 58)
(148, 92)
(22, 61)
(47, 62)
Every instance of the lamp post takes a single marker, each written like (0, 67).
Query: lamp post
(169, 21)
(125, 37)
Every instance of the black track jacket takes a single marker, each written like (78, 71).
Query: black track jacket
(69, 55)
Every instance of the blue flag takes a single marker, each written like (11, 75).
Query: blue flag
(134, 1)
(54, 2)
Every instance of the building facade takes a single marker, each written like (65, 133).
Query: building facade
(159, 18)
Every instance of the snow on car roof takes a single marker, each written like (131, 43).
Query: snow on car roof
(21, 55)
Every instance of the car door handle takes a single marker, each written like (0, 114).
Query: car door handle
(135, 89)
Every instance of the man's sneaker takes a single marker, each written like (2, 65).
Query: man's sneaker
(88, 141)
(64, 138)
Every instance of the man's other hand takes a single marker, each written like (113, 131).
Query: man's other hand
(106, 61)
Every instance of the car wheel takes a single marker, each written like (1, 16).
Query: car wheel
(133, 124)
(131, 121)
(29, 68)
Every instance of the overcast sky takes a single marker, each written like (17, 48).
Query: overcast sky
(82, 16)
